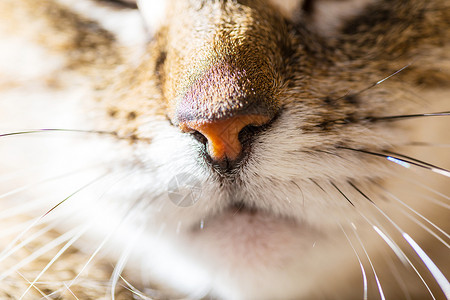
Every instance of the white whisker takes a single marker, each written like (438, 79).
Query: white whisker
(419, 215)
(428, 229)
(49, 179)
(60, 252)
(44, 296)
(123, 260)
(44, 249)
(363, 271)
(437, 274)
(40, 218)
(380, 289)
(134, 290)
(28, 240)
(398, 252)
(401, 231)
(416, 182)
(67, 288)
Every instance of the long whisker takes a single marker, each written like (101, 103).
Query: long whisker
(380, 290)
(375, 83)
(397, 276)
(417, 213)
(413, 159)
(44, 249)
(134, 290)
(36, 288)
(73, 194)
(60, 252)
(397, 250)
(27, 241)
(45, 180)
(437, 274)
(104, 241)
(406, 163)
(418, 183)
(39, 219)
(425, 144)
(113, 133)
(345, 196)
(400, 117)
(434, 270)
(123, 260)
(428, 229)
(360, 264)
(71, 292)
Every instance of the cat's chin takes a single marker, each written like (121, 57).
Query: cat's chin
(238, 249)
(242, 235)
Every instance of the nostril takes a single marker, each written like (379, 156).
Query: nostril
(225, 138)
(247, 133)
(199, 137)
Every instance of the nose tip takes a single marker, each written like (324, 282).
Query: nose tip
(223, 135)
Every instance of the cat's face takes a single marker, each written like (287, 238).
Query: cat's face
(251, 152)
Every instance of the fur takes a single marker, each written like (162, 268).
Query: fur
(305, 211)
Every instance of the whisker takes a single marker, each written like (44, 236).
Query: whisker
(345, 196)
(39, 219)
(73, 194)
(397, 276)
(45, 180)
(416, 182)
(15, 228)
(375, 83)
(428, 229)
(27, 241)
(437, 274)
(58, 255)
(97, 250)
(44, 249)
(134, 290)
(414, 159)
(123, 260)
(425, 144)
(388, 240)
(36, 288)
(400, 117)
(397, 250)
(415, 212)
(360, 264)
(380, 290)
(70, 291)
(113, 133)
(406, 163)
(106, 239)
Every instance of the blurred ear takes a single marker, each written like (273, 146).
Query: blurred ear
(119, 17)
(325, 17)
(328, 16)
(153, 12)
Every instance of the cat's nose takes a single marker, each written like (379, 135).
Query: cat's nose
(223, 135)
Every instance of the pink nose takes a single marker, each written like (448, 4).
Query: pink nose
(223, 135)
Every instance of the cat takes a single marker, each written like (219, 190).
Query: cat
(224, 149)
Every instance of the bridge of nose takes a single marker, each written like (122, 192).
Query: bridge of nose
(227, 89)
(222, 101)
